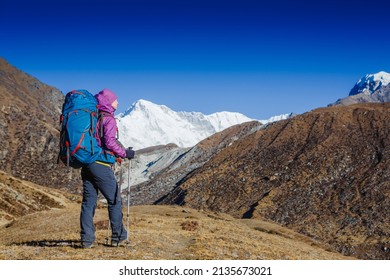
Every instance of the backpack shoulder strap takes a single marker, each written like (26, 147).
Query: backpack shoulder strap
(102, 114)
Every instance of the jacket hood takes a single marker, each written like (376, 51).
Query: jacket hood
(105, 98)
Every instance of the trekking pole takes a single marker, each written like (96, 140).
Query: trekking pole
(108, 232)
(128, 202)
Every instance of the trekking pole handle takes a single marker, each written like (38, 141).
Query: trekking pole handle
(130, 153)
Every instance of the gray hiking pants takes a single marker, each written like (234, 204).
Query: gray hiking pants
(98, 177)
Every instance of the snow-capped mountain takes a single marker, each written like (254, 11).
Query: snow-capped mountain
(147, 124)
(277, 118)
(371, 88)
(371, 83)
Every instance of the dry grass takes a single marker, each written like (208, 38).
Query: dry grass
(49, 230)
(156, 232)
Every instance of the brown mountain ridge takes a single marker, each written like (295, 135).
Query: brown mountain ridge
(187, 162)
(324, 174)
(29, 129)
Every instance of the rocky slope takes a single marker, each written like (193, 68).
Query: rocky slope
(29, 122)
(19, 198)
(150, 161)
(176, 163)
(324, 174)
(380, 95)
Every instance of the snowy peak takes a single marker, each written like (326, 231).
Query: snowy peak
(277, 118)
(370, 83)
(146, 124)
(222, 120)
(142, 106)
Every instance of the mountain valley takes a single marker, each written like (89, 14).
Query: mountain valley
(222, 186)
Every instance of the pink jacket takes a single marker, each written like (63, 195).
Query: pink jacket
(109, 141)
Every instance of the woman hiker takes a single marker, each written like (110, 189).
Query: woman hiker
(99, 176)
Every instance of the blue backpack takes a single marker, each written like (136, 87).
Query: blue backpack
(78, 145)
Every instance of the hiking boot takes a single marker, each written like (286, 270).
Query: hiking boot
(87, 245)
(116, 243)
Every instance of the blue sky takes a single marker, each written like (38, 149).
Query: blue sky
(260, 58)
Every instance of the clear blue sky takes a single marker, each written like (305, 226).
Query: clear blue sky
(260, 58)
